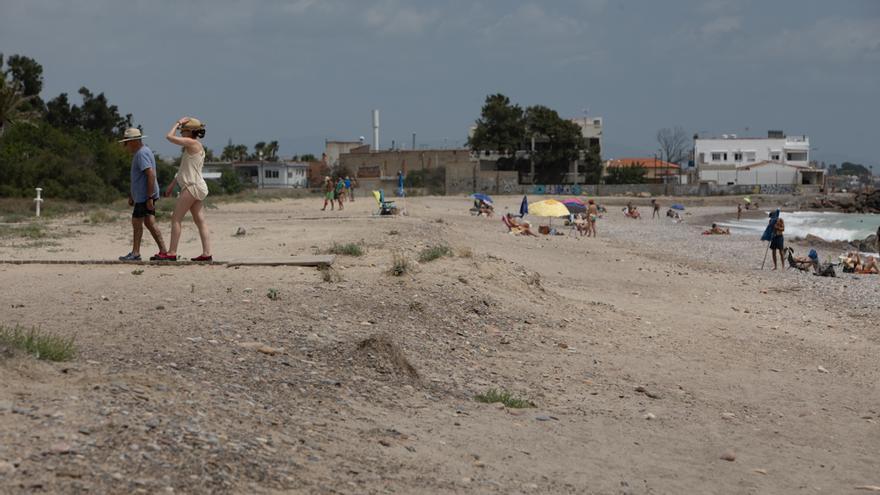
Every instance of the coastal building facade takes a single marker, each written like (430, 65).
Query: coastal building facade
(281, 174)
(776, 159)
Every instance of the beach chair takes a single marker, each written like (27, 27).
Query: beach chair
(385, 207)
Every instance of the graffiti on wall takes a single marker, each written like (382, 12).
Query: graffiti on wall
(557, 189)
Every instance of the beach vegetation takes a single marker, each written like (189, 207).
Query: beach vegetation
(42, 345)
(349, 249)
(492, 396)
(399, 265)
(432, 253)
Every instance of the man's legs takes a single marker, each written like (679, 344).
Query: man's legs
(137, 225)
(153, 227)
(773, 255)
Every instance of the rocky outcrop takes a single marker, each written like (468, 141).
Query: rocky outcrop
(851, 203)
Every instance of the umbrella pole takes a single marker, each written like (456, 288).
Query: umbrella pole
(767, 251)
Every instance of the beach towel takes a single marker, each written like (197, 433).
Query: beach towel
(768, 232)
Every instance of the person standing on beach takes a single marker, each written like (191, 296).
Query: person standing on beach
(339, 192)
(592, 216)
(739, 211)
(878, 240)
(400, 179)
(193, 189)
(774, 234)
(348, 192)
(656, 212)
(144, 193)
(328, 193)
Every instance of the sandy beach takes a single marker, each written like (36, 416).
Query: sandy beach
(658, 361)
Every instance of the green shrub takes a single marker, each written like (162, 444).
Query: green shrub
(431, 253)
(399, 265)
(350, 249)
(504, 397)
(45, 346)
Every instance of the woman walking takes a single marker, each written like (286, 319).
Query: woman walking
(193, 189)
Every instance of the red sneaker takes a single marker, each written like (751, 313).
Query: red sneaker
(202, 258)
(165, 257)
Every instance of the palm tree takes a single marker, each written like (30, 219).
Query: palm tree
(13, 105)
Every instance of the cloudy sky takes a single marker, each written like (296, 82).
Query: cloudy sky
(301, 71)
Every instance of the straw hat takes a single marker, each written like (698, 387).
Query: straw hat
(192, 124)
(131, 134)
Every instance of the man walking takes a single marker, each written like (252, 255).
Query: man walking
(144, 193)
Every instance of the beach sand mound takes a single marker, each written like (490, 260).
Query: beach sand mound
(381, 354)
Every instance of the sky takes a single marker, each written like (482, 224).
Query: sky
(302, 71)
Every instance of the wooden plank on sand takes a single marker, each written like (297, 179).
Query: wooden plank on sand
(310, 260)
(319, 260)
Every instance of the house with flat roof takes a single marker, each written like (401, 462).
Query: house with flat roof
(776, 159)
(280, 174)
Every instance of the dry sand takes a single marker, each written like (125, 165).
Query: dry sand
(652, 355)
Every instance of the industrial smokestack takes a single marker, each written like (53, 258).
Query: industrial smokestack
(375, 130)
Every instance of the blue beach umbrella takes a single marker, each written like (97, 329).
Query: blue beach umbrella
(677, 206)
(524, 207)
(482, 197)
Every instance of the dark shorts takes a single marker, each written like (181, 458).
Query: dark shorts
(141, 211)
(777, 243)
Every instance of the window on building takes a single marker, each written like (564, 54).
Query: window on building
(774, 156)
(750, 156)
(290, 174)
(738, 157)
(270, 174)
(716, 157)
(796, 156)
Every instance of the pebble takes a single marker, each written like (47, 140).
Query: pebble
(650, 416)
(728, 415)
(728, 455)
(60, 448)
(822, 370)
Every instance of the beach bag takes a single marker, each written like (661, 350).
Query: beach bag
(827, 270)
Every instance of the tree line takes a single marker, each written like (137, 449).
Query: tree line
(68, 146)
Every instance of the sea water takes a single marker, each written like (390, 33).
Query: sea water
(830, 226)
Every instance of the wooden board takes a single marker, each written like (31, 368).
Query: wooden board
(319, 260)
(309, 260)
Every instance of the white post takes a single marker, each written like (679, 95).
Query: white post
(38, 200)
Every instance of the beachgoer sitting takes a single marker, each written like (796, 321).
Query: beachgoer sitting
(631, 211)
(870, 267)
(852, 262)
(518, 227)
(674, 215)
(716, 230)
(803, 263)
(485, 209)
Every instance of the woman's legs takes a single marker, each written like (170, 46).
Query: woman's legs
(198, 214)
(184, 202)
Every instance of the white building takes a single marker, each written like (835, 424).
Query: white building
(274, 174)
(776, 159)
(591, 130)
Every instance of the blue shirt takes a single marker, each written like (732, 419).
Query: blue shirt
(141, 161)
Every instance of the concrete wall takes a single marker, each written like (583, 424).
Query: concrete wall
(763, 176)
